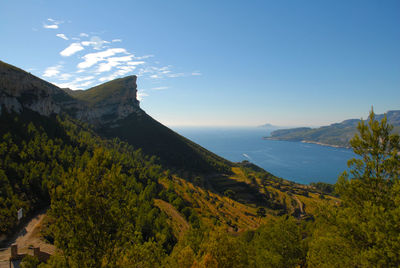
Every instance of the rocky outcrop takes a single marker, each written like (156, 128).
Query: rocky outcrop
(102, 104)
(109, 102)
(20, 89)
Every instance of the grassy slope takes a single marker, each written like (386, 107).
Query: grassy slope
(239, 213)
(104, 91)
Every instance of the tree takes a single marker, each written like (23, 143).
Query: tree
(230, 194)
(364, 228)
(377, 168)
(261, 212)
(279, 243)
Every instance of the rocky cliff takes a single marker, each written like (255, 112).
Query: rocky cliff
(113, 109)
(108, 102)
(19, 89)
(102, 104)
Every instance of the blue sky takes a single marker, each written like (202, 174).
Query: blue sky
(218, 63)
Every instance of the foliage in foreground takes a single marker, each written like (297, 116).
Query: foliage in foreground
(103, 214)
(364, 230)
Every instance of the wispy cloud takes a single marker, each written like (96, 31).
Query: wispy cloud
(176, 75)
(77, 83)
(80, 79)
(159, 88)
(113, 62)
(52, 71)
(141, 95)
(144, 57)
(71, 49)
(96, 42)
(104, 60)
(51, 24)
(65, 76)
(93, 58)
(62, 36)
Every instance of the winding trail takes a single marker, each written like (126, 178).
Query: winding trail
(29, 236)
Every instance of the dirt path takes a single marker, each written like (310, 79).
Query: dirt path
(301, 207)
(28, 237)
(179, 224)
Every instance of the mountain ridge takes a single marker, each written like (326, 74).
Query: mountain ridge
(336, 134)
(114, 111)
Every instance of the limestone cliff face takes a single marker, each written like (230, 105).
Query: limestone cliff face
(99, 105)
(19, 89)
(109, 102)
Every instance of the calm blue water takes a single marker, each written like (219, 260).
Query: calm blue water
(296, 161)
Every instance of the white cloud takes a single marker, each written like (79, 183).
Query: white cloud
(86, 84)
(93, 58)
(51, 26)
(123, 70)
(71, 49)
(64, 77)
(140, 95)
(159, 88)
(106, 66)
(52, 71)
(62, 36)
(96, 42)
(117, 61)
(107, 78)
(76, 83)
(80, 79)
(144, 57)
(176, 75)
(103, 62)
(135, 62)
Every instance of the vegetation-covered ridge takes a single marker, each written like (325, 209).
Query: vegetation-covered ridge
(115, 207)
(108, 201)
(338, 134)
(113, 109)
(114, 203)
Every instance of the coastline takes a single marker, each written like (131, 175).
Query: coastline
(311, 142)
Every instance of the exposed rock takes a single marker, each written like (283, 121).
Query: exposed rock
(102, 104)
(21, 89)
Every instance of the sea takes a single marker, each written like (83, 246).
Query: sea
(296, 161)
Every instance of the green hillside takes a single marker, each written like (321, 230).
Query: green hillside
(133, 193)
(142, 131)
(338, 134)
(174, 151)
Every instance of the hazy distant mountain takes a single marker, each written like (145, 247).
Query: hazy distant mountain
(338, 134)
(270, 126)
